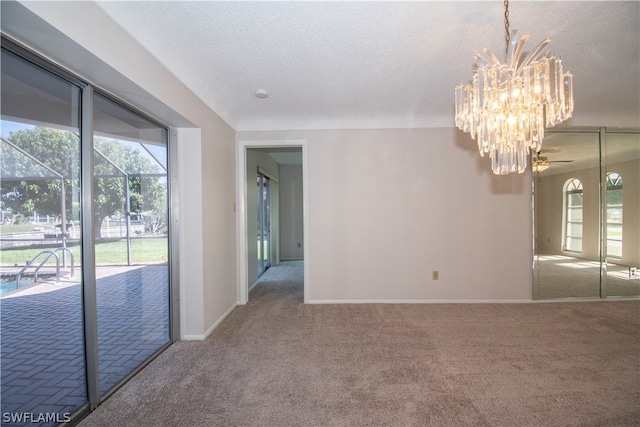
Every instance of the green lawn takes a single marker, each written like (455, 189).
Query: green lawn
(143, 251)
(24, 227)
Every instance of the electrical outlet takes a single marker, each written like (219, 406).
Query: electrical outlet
(436, 275)
(633, 273)
(299, 244)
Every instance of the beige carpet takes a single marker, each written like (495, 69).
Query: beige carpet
(278, 362)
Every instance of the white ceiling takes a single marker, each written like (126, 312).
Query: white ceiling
(378, 64)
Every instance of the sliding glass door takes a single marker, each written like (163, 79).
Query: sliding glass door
(130, 231)
(264, 223)
(85, 296)
(41, 300)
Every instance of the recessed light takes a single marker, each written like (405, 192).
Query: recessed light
(262, 94)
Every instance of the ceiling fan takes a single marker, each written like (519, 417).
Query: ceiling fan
(541, 164)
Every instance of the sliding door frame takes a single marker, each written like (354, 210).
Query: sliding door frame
(88, 251)
(174, 236)
(88, 90)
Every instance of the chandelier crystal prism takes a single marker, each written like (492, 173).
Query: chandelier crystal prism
(507, 106)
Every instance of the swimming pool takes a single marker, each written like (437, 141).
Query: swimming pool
(8, 284)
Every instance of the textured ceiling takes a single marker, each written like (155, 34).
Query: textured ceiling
(378, 64)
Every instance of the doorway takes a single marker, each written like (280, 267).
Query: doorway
(258, 230)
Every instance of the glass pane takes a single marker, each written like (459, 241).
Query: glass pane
(574, 215)
(130, 204)
(566, 224)
(614, 248)
(575, 200)
(614, 215)
(264, 225)
(266, 231)
(623, 220)
(615, 197)
(574, 244)
(614, 232)
(574, 230)
(259, 218)
(43, 364)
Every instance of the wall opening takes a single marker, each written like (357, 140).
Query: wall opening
(284, 165)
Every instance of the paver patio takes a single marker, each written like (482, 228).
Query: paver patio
(42, 338)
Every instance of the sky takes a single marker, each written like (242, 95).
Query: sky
(160, 153)
(8, 127)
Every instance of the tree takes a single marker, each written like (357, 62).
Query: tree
(146, 193)
(26, 187)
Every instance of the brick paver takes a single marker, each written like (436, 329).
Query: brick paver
(42, 347)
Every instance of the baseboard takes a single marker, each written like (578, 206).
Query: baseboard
(208, 331)
(594, 299)
(474, 301)
(425, 301)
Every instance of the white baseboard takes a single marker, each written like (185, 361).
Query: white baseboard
(208, 331)
(192, 338)
(474, 301)
(425, 301)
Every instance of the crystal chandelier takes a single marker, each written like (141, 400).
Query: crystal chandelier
(506, 107)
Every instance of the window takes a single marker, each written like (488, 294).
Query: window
(614, 215)
(573, 215)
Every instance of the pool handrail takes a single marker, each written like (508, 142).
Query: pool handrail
(50, 254)
(64, 249)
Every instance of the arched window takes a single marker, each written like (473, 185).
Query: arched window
(573, 215)
(614, 215)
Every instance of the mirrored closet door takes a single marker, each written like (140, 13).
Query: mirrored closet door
(585, 210)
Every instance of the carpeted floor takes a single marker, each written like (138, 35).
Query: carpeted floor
(278, 362)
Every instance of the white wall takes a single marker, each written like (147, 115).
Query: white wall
(255, 158)
(386, 207)
(291, 215)
(191, 240)
(81, 37)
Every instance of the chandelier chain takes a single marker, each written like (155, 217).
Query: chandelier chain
(507, 37)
